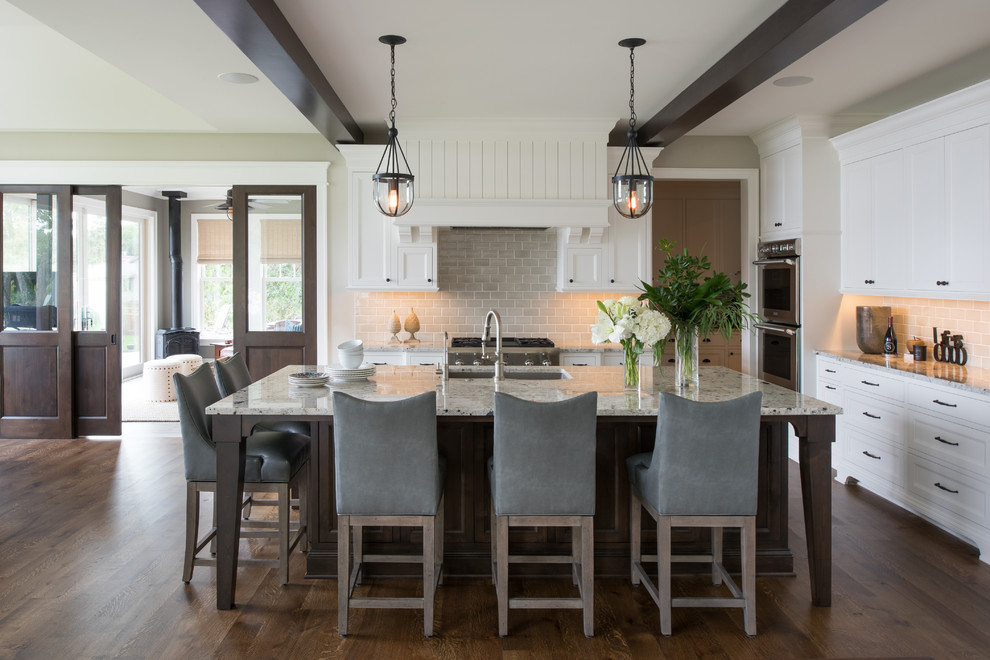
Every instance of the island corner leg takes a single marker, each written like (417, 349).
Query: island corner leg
(230, 488)
(815, 455)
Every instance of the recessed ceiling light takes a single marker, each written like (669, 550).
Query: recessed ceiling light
(238, 78)
(793, 81)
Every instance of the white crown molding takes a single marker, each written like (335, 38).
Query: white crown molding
(952, 113)
(789, 132)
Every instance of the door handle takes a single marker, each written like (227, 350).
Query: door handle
(113, 339)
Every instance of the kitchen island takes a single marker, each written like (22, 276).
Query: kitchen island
(626, 425)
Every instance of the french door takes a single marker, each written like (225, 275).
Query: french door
(274, 268)
(59, 354)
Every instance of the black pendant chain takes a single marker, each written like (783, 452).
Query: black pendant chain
(632, 89)
(391, 114)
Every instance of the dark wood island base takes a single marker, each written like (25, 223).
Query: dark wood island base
(626, 426)
(467, 446)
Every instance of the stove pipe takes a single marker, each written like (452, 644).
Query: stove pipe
(175, 251)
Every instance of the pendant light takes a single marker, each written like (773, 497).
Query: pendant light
(632, 185)
(393, 187)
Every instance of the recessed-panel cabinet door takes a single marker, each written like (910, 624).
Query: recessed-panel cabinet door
(967, 163)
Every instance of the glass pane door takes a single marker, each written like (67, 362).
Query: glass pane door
(275, 249)
(30, 270)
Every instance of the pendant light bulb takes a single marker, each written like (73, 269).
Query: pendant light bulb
(632, 185)
(393, 186)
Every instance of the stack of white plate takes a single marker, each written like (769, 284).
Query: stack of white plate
(309, 379)
(340, 373)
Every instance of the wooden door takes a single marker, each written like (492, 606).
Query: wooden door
(35, 335)
(274, 276)
(96, 340)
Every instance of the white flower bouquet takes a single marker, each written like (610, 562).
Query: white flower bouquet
(629, 322)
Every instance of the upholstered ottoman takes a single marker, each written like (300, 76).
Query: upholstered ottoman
(158, 379)
(188, 362)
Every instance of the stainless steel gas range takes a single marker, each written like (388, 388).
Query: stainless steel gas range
(516, 351)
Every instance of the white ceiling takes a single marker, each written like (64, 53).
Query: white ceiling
(151, 65)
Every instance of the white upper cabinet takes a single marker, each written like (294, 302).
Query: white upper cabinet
(614, 259)
(780, 214)
(383, 257)
(916, 201)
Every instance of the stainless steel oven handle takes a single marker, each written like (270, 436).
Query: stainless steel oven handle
(773, 328)
(773, 262)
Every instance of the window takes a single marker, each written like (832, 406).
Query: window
(283, 296)
(214, 278)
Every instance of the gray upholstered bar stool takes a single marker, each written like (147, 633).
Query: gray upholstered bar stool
(542, 474)
(702, 473)
(274, 460)
(232, 375)
(388, 472)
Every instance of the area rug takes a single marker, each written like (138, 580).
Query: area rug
(137, 408)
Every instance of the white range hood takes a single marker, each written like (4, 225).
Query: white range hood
(493, 178)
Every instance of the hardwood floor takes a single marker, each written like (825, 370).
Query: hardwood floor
(91, 560)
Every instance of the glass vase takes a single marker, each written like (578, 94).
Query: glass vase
(686, 357)
(630, 358)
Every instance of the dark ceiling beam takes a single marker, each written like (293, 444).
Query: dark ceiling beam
(790, 33)
(260, 30)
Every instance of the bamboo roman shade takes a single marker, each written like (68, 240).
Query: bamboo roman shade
(215, 242)
(281, 241)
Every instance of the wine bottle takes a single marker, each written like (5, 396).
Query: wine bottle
(890, 339)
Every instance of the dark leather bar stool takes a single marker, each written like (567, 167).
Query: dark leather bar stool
(542, 473)
(702, 473)
(274, 461)
(388, 472)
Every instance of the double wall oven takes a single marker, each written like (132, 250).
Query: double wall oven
(779, 301)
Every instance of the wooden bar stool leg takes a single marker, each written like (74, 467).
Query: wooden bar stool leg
(502, 574)
(429, 573)
(357, 541)
(494, 553)
(716, 555)
(283, 532)
(748, 535)
(576, 540)
(663, 573)
(192, 529)
(343, 571)
(588, 574)
(635, 534)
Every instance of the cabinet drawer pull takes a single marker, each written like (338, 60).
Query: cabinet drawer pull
(866, 382)
(948, 490)
(871, 416)
(946, 442)
(866, 453)
(705, 361)
(830, 371)
(829, 387)
(943, 403)
(580, 364)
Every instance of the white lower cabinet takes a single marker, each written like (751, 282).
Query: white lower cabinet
(920, 444)
(394, 358)
(580, 359)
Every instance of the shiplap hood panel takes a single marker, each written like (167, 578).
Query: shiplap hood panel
(505, 180)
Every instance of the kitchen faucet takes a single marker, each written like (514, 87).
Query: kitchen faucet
(499, 367)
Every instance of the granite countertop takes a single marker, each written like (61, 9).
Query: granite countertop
(474, 397)
(973, 379)
(437, 346)
(431, 346)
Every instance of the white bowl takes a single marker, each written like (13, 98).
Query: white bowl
(350, 359)
(352, 345)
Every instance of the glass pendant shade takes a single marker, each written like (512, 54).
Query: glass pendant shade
(632, 195)
(632, 185)
(393, 193)
(393, 185)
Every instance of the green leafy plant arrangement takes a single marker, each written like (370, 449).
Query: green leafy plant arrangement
(712, 304)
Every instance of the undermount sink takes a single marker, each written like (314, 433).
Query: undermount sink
(542, 374)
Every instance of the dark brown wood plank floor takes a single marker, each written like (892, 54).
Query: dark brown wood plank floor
(91, 559)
